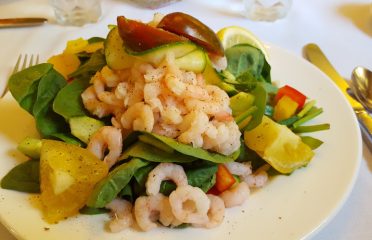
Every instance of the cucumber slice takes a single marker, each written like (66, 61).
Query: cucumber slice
(157, 54)
(188, 55)
(195, 61)
(116, 56)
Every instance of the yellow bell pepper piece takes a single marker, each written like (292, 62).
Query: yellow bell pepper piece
(285, 108)
(76, 46)
(65, 63)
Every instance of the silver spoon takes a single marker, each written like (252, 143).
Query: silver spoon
(361, 79)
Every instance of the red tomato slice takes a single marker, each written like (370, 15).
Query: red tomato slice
(190, 27)
(139, 37)
(294, 94)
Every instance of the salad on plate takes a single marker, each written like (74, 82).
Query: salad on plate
(165, 123)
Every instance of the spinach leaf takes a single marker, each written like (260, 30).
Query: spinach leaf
(266, 72)
(68, 138)
(35, 89)
(200, 174)
(138, 189)
(90, 67)
(28, 101)
(189, 150)
(260, 99)
(23, 177)
(93, 211)
(153, 154)
(23, 84)
(127, 193)
(141, 174)
(68, 101)
(95, 40)
(167, 187)
(247, 64)
(50, 84)
(109, 187)
(131, 139)
(47, 121)
(203, 177)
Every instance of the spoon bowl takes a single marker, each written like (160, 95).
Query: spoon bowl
(361, 86)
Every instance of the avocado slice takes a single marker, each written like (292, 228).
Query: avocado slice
(84, 127)
(241, 102)
(30, 147)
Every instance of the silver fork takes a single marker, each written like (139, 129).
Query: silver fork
(20, 65)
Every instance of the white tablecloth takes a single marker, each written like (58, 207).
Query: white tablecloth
(343, 29)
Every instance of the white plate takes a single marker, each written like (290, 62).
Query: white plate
(289, 207)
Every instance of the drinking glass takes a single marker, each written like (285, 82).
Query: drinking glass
(76, 12)
(266, 10)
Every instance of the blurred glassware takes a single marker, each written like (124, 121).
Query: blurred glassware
(154, 3)
(76, 12)
(266, 10)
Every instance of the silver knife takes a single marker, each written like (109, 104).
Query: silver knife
(21, 22)
(316, 56)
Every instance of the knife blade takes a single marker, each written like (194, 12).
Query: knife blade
(315, 55)
(21, 22)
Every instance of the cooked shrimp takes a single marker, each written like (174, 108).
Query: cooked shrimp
(138, 117)
(216, 212)
(167, 130)
(165, 100)
(147, 211)
(171, 115)
(223, 116)
(99, 84)
(259, 178)
(154, 75)
(235, 196)
(93, 105)
(189, 204)
(121, 91)
(165, 171)
(185, 90)
(217, 102)
(192, 127)
(240, 169)
(166, 215)
(151, 92)
(121, 211)
(110, 138)
(134, 85)
(109, 77)
(222, 137)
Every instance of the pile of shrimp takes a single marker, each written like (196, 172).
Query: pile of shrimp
(165, 100)
(186, 204)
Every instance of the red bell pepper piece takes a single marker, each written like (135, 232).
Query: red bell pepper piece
(224, 179)
(214, 191)
(294, 94)
(139, 37)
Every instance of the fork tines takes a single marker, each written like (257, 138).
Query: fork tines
(25, 63)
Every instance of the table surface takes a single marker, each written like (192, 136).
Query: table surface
(343, 29)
